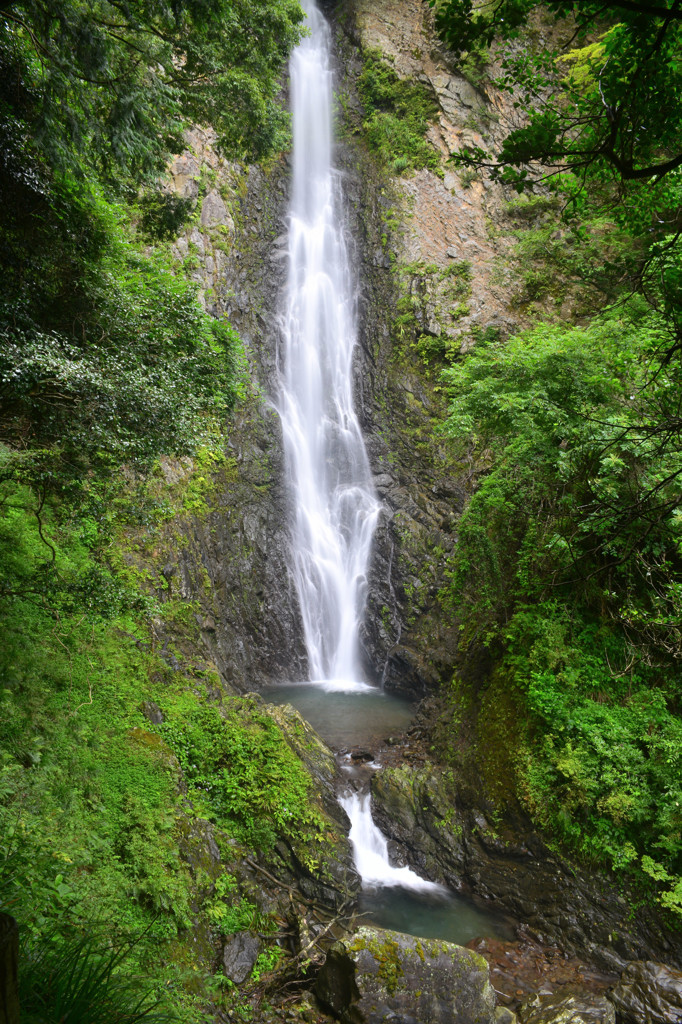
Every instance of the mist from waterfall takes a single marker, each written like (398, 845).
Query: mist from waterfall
(336, 508)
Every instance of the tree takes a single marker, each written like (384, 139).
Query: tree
(609, 107)
(108, 86)
(104, 355)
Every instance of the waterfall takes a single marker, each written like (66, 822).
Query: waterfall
(371, 850)
(336, 508)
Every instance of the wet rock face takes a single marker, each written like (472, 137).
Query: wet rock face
(377, 975)
(236, 250)
(233, 555)
(567, 1009)
(648, 993)
(428, 243)
(406, 644)
(443, 837)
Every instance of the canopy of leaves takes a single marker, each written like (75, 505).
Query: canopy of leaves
(106, 356)
(568, 567)
(610, 106)
(110, 85)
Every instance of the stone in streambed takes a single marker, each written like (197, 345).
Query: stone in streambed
(358, 754)
(567, 1008)
(376, 975)
(648, 993)
(503, 1015)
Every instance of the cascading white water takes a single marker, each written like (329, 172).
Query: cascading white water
(336, 507)
(371, 850)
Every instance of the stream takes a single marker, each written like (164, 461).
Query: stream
(335, 505)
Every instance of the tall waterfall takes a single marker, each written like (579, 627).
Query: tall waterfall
(336, 507)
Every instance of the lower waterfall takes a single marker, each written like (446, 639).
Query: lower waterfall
(371, 850)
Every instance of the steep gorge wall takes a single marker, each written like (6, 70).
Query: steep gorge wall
(423, 242)
(430, 283)
(233, 554)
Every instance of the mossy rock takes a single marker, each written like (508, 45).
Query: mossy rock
(322, 863)
(376, 975)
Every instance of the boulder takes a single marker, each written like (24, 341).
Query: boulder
(376, 975)
(152, 712)
(503, 1015)
(648, 993)
(567, 1008)
(239, 956)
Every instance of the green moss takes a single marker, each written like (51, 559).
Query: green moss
(387, 954)
(397, 116)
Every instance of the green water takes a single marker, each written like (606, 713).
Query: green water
(362, 716)
(454, 918)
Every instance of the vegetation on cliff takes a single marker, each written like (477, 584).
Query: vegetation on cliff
(107, 361)
(602, 102)
(568, 571)
(397, 116)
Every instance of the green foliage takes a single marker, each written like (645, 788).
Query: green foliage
(605, 771)
(568, 569)
(242, 774)
(267, 961)
(109, 357)
(163, 215)
(107, 361)
(397, 118)
(600, 109)
(95, 832)
(105, 88)
(79, 980)
(228, 910)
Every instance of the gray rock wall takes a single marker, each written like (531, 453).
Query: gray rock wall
(233, 555)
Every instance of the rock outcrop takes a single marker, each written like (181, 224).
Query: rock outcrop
(239, 955)
(323, 872)
(444, 836)
(648, 993)
(567, 1009)
(375, 976)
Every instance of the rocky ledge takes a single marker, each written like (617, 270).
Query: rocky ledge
(376, 975)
